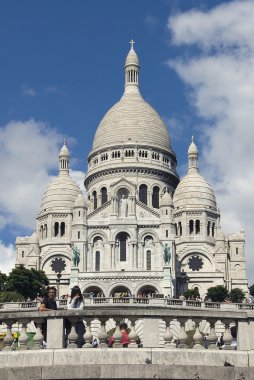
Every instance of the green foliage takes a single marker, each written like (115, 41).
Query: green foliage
(217, 293)
(11, 296)
(251, 289)
(191, 293)
(29, 283)
(236, 295)
(3, 279)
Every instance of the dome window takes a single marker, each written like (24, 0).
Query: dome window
(208, 228)
(166, 233)
(148, 260)
(191, 227)
(155, 197)
(62, 228)
(104, 195)
(180, 229)
(56, 229)
(97, 261)
(176, 231)
(122, 243)
(197, 227)
(95, 204)
(45, 230)
(78, 234)
(143, 194)
(22, 254)
(213, 229)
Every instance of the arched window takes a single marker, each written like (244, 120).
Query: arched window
(176, 232)
(180, 228)
(191, 227)
(79, 213)
(166, 233)
(208, 228)
(41, 231)
(143, 194)
(62, 229)
(45, 230)
(104, 195)
(213, 228)
(22, 254)
(148, 260)
(97, 261)
(236, 251)
(155, 197)
(94, 200)
(78, 234)
(122, 240)
(56, 229)
(197, 226)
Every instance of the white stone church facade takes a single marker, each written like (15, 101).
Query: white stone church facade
(136, 206)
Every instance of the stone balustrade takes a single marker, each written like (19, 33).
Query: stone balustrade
(152, 323)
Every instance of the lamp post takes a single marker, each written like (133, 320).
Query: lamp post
(58, 266)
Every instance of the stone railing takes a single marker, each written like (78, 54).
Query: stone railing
(166, 302)
(171, 324)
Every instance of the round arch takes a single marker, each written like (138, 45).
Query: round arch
(143, 234)
(147, 290)
(199, 252)
(120, 231)
(93, 291)
(120, 291)
(100, 233)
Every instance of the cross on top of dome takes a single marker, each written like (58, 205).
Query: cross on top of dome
(132, 43)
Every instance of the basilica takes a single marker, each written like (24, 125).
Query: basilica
(141, 230)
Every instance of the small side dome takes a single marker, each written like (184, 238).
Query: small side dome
(80, 201)
(194, 191)
(166, 199)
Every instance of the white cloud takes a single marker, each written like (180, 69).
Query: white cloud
(27, 90)
(220, 79)
(7, 257)
(28, 155)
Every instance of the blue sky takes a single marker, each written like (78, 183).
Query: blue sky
(62, 68)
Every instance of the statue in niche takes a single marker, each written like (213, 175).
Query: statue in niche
(123, 206)
(166, 254)
(75, 256)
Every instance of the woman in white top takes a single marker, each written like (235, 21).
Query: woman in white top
(77, 302)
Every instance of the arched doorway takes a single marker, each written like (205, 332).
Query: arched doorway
(93, 291)
(120, 291)
(147, 291)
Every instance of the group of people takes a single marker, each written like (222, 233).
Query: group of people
(76, 302)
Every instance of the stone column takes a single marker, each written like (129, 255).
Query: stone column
(133, 335)
(8, 339)
(88, 336)
(182, 334)
(212, 337)
(23, 338)
(168, 337)
(103, 336)
(197, 337)
(38, 337)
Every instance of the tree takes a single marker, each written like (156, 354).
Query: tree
(27, 282)
(251, 289)
(191, 293)
(11, 296)
(236, 295)
(3, 279)
(217, 293)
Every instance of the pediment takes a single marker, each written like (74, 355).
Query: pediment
(123, 183)
(145, 212)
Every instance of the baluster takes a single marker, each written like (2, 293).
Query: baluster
(182, 335)
(168, 337)
(117, 335)
(8, 339)
(227, 337)
(88, 336)
(133, 335)
(103, 336)
(212, 338)
(73, 336)
(38, 337)
(197, 337)
(23, 338)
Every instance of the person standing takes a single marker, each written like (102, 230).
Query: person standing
(77, 303)
(48, 303)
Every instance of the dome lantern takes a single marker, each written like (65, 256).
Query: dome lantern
(192, 157)
(64, 157)
(132, 71)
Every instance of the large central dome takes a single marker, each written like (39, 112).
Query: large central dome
(132, 120)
